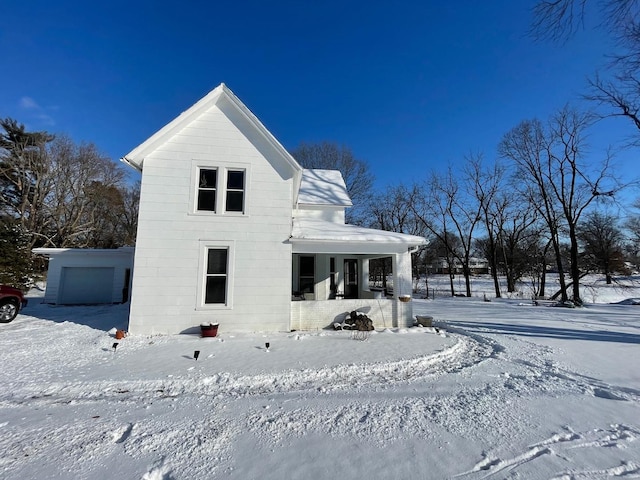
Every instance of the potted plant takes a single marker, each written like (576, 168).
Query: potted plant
(209, 329)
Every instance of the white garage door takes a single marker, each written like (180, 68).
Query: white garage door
(82, 285)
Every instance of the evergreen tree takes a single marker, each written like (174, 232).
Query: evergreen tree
(16, 266)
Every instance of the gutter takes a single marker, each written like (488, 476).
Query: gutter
(131, 164)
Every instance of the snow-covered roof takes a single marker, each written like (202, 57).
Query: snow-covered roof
(321, 236)
(84, 251)
(323, 187)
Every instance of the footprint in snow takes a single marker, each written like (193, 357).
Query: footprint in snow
(159, 472)
(121, 434)
(607, 394)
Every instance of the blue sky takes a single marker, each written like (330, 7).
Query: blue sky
(409, 86)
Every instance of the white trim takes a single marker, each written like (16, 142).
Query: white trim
(136, 157)
(204, 246)
(320, 236)
(221, 187)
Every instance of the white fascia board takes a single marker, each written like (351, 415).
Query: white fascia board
(351, 248)
(122, 251)
(135, 157)
(259, 126)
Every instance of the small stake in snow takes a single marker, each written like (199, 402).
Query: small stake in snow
(114, 346)
(196, 354)
(267, 345)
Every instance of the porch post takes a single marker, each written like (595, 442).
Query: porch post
(402, 285)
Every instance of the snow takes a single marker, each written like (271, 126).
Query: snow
(323, 187)
(324, 231)
(502, 389)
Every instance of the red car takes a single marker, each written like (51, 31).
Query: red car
(11, 302)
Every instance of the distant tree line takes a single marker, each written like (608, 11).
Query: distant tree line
(545, 204)
(55, 193)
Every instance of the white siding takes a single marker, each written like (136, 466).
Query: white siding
(118, 261)
(329, 214)
(168, 271)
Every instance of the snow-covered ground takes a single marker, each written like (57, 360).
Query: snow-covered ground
(504, 389)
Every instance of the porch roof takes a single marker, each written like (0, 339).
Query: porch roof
(310, 235)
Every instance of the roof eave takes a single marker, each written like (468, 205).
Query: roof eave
(136, 157)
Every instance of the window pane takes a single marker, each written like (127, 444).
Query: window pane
(207, 200)
(307, 285)
(306, 267)
(235, 201)
(215, 290)
(208, 178)
(235, 180)
(217, 261)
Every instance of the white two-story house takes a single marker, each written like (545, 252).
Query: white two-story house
(232, 230)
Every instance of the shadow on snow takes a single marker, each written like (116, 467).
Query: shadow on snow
(547, 332)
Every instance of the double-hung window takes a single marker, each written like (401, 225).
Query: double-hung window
(235, 191)
(217, 276)
(221, 190)
(207, 189)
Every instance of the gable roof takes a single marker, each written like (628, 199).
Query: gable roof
(220, 96)
(323, 187)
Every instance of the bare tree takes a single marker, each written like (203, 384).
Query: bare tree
(559, 20)
(632, 226)
(82, 180)
(63, 194)
(485, 184)
(449, 211)
(391, 211)
(601, 240)
(519, 231)
(557, 179)
(112, 214)
(356, 173)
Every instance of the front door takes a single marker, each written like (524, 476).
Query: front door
(350, 278)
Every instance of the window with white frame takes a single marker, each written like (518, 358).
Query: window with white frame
(220, 189)
(234, 201)
(217, 276)
(207, 189)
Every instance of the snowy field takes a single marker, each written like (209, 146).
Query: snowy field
(503, 389)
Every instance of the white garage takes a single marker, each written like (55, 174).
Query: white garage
(87, 276)
(80, 285)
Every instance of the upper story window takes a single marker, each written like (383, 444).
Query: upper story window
(235, 191)
(220, 190)
(207, 189)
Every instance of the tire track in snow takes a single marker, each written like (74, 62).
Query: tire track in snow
(466, 352)
(546, 374)
(210, 437)
(561, 445)
(195, 446)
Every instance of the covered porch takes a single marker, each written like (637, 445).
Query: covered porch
(330, 275)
